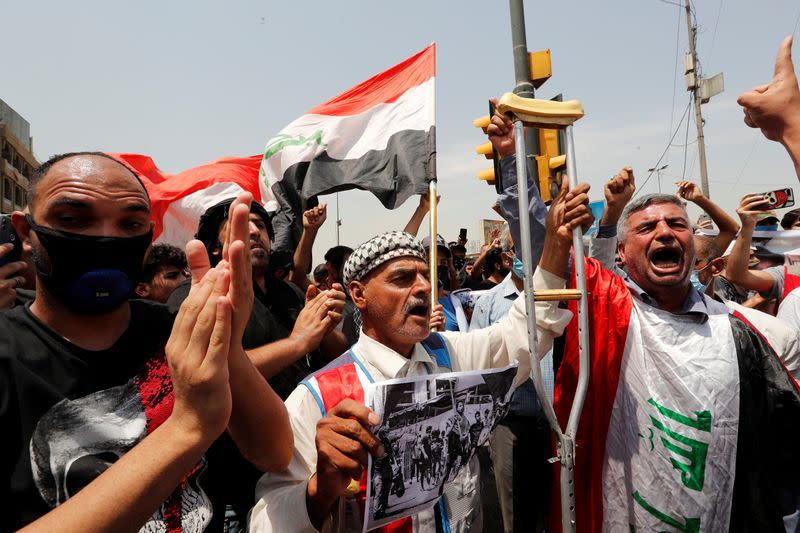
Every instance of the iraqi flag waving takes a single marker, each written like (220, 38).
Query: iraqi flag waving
(690, 424)
(378, 136)
(178, 200)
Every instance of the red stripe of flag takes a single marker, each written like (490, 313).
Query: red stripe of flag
(383, 88)
(164, 189)
(610, 308)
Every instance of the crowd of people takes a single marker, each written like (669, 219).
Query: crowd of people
(221, 387)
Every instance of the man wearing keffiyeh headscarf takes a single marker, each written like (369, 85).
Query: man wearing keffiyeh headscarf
(388, 282)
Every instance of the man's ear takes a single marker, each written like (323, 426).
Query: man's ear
(23, 230)
(358, 294)
(621, 252)
(142, 290)
(717, 266)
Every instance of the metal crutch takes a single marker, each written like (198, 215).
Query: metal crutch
(551, 114)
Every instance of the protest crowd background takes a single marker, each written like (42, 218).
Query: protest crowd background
(174, 355)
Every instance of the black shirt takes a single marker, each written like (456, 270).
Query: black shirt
(229, 477)
(478, 285)
(272, 319)
(55, 399)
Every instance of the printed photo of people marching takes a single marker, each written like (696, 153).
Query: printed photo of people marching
(430, 429)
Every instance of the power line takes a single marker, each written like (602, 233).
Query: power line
(747, 160)
(675, 73)
(714, 35)
(685, 111)
(690, 143)
(796, 22)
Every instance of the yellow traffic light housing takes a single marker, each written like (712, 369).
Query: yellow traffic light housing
(482, 122)
(541, 67)
(487, 175)
(485, 150)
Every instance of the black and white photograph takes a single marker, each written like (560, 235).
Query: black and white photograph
(430, 427)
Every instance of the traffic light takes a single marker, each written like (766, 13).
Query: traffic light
(541, 69)
(550, 163)
(486, 149)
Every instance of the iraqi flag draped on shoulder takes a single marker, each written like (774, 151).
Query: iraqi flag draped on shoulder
(378, 136)
(690, 424)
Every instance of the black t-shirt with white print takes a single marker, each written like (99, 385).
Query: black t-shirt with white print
(67, 413)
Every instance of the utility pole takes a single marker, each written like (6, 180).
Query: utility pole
(524, 87)
(702, 90)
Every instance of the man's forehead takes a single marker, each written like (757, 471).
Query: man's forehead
(405, 263)
(84, 174)
(659, 211)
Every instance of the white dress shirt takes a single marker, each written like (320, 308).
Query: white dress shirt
(281, 497)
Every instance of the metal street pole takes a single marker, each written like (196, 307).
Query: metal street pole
(524, 87)
(698, 115)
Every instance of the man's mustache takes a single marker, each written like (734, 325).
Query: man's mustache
(415, 302)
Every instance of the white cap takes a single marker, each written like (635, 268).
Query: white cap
(729, 249)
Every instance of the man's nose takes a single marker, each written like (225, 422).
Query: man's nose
(422, 285)
(664, 231)
(254, 231)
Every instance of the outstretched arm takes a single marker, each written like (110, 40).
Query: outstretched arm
(501, 135)
(774, 108)
(618, 192)
(477, 267)
(737, 268)
(728, 228)
(419, 214)
(315, 323)
(312, 221)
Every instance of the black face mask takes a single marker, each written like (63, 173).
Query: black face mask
(443, 275)
(89, 275)
(459, 262)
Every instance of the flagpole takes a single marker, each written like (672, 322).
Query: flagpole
(338, 220)
(433, 247)
(432, 200)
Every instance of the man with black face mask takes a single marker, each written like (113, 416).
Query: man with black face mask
(83, 374)
(447, 279)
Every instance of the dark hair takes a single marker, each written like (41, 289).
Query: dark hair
(789, 218)
(160, 257)
(281, 259)
(494, 257)
(458, 248)
(320, 272)
(39, 174)
(335, 256)
(212, 219)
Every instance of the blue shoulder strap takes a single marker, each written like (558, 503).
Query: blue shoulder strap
(437, 349)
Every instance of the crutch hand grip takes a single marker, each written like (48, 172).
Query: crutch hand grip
(541, 113)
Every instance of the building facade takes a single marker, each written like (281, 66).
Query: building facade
(16, 159)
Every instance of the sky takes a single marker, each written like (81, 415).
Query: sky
(188, 82)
